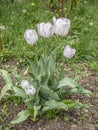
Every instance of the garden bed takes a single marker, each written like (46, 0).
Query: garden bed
(66, 120)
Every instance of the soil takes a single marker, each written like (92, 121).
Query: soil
(85, 119)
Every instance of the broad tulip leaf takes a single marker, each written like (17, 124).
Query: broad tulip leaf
(67, 82)
(80, 90)
(46, 93)
(22, 116)
(4, 90)
(62, 73)
(36, 110)
(6, 76)
(19, 92)
(52, 104)
(41, 65)
(73, 104)
(8, 80)
(53, 82)
(51, 64)
(44, 72)
(34, 69)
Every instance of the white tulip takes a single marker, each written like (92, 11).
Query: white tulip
(25, 84)
(45, 29)
(69, 52)
(61, 26)
(31, 90)
(31, 36)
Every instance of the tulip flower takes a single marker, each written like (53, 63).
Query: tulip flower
(45, 29)
(25, 84)
(69, 52)
(61, 26)
(31, 90)
(31, 36)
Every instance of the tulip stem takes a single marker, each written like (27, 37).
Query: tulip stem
(44, 47)
(62, 7)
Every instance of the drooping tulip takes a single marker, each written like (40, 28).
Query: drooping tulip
(69, 52)
(28, 88)
(61, 26)
(45, 29)
(31, 36)
(25, 84)
(31, 90)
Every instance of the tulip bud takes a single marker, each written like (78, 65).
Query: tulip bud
(69, 52)
(45, 29)
(61, 26)
(31, 36)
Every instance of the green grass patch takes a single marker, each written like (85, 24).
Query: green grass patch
(19, 16)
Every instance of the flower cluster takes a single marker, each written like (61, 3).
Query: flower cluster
(60, 27)
(28, 88)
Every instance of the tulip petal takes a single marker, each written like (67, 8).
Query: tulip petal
(31, 36)
(61, 26)
(45, 29)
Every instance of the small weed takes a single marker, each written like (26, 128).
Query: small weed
(66, 119)
(79, 122)
(6, 128)
(82, 118)
(4, 112)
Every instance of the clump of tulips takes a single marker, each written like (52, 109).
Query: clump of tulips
(60, 27)
(41, 90)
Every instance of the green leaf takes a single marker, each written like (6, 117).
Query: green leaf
(53, 82)
(4, 90)
(8, 80)
(44, 72)
(62, 73)
(52, 104)
(36, 110)
(47, 93)
(67, 82)
(75, 87)
(34, 69)
(51, 64)
(22, 116)
(73, 104)
(81, 90)
(6, 76)
(20, 92)
(45, 78)
(41, 66)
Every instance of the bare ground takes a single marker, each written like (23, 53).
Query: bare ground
(78, 119)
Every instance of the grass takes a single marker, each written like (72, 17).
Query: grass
(82, 36)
